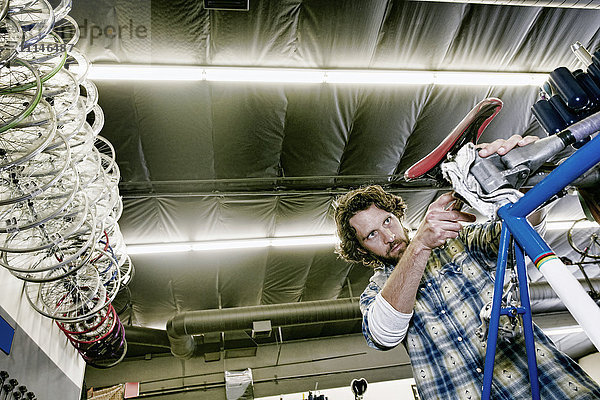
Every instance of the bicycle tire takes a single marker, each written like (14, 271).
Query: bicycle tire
(68, 125)
(86, 326)
(100, 333)
(60, 272)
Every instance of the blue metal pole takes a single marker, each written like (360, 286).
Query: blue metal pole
(527, 323)
(524, 234)
(492, 339)
(573, 167)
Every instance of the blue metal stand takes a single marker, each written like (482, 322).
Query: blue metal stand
(497, 310)
(514, 224)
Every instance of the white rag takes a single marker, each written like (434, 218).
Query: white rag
(456, 170)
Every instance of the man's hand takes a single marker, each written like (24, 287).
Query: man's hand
(503, 146)
(441, 222)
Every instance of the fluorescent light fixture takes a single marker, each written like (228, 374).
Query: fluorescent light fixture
(115, 72)
(309, 75)
(280, 75)
(231, 244)
(566, 225)
(563, 330)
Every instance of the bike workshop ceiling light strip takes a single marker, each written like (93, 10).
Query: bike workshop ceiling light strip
(230, 244)
(307, 75)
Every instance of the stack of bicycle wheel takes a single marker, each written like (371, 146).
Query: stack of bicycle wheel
(59, 196)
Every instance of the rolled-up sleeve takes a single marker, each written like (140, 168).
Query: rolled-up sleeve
(382, 326)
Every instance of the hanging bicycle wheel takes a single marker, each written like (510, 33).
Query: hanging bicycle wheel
(65, 269)
(88, 169)
(67, 29)
(94, 329)
(111, 359)
(48, 57)
(36, 20)
(127, 271)
(589, 245)
(20, 144)
(11, 39)
(115, 213)
(68, 125)
(97, 115)
(61, 9)
(33, 212)
(73, 298)
(72, 225)
(89, 92)
(34, 176)
(77, 63)
(15, 107)
(62, 91)
(109, 271)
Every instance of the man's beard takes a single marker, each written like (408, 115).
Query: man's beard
(390, 258)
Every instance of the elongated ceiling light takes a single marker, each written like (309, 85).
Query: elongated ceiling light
(307, 75)
(230, 244)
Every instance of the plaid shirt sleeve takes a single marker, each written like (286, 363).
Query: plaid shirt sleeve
(482, 242)
(366, 300)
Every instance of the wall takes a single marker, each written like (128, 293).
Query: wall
(41, 358)
(292, 367)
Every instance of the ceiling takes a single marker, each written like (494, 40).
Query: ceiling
(212, 160)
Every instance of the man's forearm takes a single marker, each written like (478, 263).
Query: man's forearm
(400, 289)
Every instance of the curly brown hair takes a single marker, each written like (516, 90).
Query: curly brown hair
(348, 205)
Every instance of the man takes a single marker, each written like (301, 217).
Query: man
(429, 293)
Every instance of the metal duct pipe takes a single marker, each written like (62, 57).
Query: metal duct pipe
(542, 290)
(181, 327)
(593, 4)
(137, 335)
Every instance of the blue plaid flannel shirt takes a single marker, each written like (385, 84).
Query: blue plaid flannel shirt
(446, 354)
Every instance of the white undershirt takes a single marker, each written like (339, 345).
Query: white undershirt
(387, 325)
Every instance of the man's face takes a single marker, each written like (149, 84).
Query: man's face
(380, 233)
